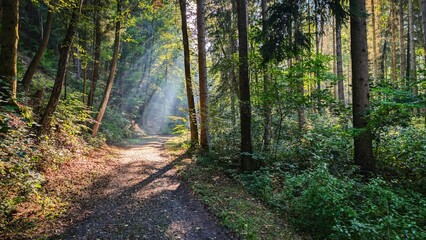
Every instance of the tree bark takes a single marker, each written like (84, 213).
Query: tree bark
(113, 67)
(424, 26)
(61, 72)
(360, 90)
(402, 58)
(247, 161)
(373, 21)
(339, 62)
(317, 51)
(28, 76)
(188, 82)
(412, 58)
(9, 50)
(393, 43)
(96, 59)
(202, 73)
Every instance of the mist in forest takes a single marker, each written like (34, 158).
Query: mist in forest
(166, 102)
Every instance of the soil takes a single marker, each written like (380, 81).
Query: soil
(142, 197)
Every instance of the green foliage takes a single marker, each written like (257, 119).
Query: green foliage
(115, 126)
(345, 208)
(72, 115)
(326, 140)
(396, 105)
(259, 183)
(403, 157)
(19, 161)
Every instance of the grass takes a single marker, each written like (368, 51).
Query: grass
(229, 201)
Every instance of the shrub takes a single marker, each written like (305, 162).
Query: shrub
(115, 126)
(333, 208)
(403, 159)
(19, 161)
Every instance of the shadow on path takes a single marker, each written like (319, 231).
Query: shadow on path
(142, 198)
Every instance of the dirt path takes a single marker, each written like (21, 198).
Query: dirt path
(143, 199)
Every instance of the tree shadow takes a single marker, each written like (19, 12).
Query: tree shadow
(156, 207)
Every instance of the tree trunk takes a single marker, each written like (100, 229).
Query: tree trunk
(424, 26)
(317, 51)
(339, 63)
(373, 21)
(412, 59)
(61, 72)
(188, 82)
(393, 44)
(360, 89)
(247, 161)
(202, 73)
(28, 76)
(9, 50)
(84, 84)
(96, 60)
(424, 39)
(335, 89)
(267, 109)
(301, 118)
(401, 42)
(113, 67)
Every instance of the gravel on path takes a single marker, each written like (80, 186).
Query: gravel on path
(143, 198)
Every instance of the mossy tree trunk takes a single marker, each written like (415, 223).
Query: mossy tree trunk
(9, 49)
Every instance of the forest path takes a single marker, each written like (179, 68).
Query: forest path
(143, 198)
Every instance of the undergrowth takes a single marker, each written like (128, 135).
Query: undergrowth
(24, 159)
(310, 180)
(228, 200)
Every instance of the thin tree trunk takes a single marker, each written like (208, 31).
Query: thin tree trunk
(424, 39)
(339, 63)
(393, 44)
(61, 72)
(202, 73)
(188, 82)
(382, 76)
(9, 49)
(363, 155)
(317, 42)
(247, 161)
(335, 89)
(401, 42)
(28, 76)
(113, 67)
(97, 56)
(373, 21)
(412, 68)
(84, 84)
(424, 27)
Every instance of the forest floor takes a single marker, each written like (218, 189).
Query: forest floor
(140, 197)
